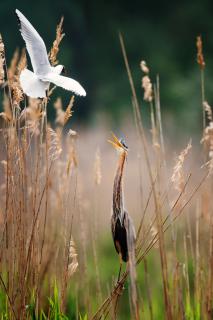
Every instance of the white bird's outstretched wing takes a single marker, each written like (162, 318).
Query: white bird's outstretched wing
(66, 83)
(35, 46)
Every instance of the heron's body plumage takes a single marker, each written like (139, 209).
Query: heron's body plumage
(120, 237)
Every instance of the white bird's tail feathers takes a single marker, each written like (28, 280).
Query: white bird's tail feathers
(31, 84)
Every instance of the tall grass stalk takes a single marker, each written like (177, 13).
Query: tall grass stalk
(156, 202)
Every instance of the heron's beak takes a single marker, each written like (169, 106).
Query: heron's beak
(116, 143)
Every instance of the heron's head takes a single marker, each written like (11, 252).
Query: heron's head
(118, 144)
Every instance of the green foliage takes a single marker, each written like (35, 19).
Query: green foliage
(31, 308)
(54, 303)
(5, 311)
(109, 264)
(83, 317)
(54, 312)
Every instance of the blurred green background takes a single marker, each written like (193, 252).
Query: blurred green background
(161, 32)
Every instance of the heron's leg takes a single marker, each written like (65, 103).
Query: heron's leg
(120, 262)
(127, 266)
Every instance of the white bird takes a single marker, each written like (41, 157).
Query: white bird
(35, 84)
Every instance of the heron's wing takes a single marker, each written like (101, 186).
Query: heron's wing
(66, 83)
(130, 229)
(113, 226)
(35, 46)
(132, 260)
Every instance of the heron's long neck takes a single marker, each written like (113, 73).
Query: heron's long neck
(118, 205)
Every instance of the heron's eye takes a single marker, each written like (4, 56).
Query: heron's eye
(122, 141)
(63, 70)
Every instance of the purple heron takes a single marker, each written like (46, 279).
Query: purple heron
(123, 231)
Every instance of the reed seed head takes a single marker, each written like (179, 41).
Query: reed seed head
(144, 67)
(147, 86)
(200, 57)
(178, 173)
(2, 61)
(97, 166)
(55, 48)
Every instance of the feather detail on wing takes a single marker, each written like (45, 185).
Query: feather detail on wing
(32, 86)
(35, 46)
(66, 83)
(129, 226)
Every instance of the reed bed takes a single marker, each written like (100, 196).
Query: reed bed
(57, 259)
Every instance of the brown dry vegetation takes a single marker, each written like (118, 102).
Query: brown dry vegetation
(56, 190)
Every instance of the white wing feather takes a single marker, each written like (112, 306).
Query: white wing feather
(66, 83)
(35, 46)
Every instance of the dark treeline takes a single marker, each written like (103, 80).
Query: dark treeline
(161, 32)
